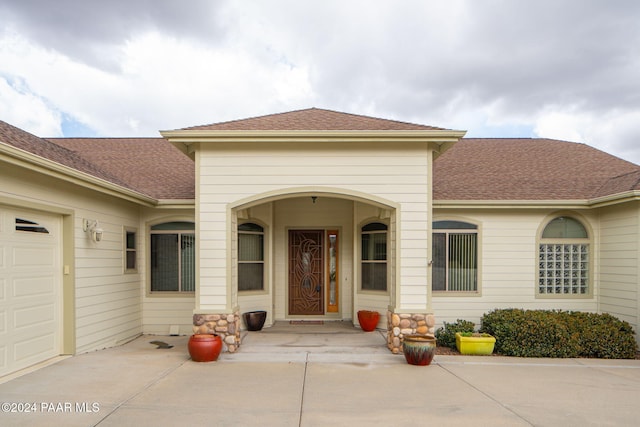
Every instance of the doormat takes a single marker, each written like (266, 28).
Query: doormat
(306, 322)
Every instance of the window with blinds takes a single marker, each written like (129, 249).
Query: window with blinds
(173, 257)
(374, 257)
(455, 257)
(250, 257)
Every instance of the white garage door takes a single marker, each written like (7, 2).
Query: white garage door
(30, 283)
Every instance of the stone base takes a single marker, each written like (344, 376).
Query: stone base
(401, 324)
(225, 325)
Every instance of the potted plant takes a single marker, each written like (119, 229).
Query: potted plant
(418, 349)
(368, 320)
(475, 343)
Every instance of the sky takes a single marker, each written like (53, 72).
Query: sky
(563, 69)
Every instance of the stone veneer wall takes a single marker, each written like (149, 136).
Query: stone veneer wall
(401, 324)
(225, 325)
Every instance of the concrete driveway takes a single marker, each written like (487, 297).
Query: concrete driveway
(318, 376)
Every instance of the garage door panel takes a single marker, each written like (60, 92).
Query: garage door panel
(30, 257)
(24, 287)
(40, 316)
(34, 349)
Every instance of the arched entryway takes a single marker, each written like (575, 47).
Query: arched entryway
(305, 254)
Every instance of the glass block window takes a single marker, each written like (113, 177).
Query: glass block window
(563, 259)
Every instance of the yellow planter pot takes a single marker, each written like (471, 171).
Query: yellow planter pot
(475, 345)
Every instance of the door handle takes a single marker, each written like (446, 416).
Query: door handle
(318, 288)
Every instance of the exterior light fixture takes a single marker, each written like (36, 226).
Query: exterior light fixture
(91, 226)
(314, 198)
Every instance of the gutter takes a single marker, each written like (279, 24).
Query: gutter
(599, 202)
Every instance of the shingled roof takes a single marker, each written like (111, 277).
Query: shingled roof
(483, 169)
(22, 140)
(529, 169)
(313, 119)
(151, 166)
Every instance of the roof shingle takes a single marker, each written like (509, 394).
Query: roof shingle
(313, 119)
(151, 166)
(528, 169)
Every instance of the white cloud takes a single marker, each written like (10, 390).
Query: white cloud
(565, 70)
(23, 109)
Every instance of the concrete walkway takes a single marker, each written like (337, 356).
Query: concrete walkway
(317, 375)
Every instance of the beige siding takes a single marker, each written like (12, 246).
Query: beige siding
(107, 301)
(235, 172)
(620, 255)
(162, 312)
(508, 263)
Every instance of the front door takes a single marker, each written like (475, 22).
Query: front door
(306, 272)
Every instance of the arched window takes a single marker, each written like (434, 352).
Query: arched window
(173, 257)
(563, 258)
(250, 257)
(455, 256)
(374, 257)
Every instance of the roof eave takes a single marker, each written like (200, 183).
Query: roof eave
(599, 202)
(184, 139)
(53, 169)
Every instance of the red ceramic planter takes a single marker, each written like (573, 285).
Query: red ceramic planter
(205, 347)
(368, 320)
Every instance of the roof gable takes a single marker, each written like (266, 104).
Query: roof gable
(313, 119)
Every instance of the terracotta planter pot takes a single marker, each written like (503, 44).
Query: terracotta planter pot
(368, 320)
(419, 349)
(255, 320)
(205, 347)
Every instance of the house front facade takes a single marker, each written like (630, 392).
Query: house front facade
(307, 215)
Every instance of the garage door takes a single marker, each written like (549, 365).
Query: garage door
(30, 283)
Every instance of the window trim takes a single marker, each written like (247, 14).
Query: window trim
(150, 231)
(126, 250)
(565, 241)
(475, 229)
(264, 263)
(386, 261)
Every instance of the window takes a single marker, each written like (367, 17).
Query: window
(30, 226)
(455, 256)
(173, 257)
(250, 257)
(130, 251)
(374, 257)
(563, 258)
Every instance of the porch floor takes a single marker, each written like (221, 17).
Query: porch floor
(297, 342)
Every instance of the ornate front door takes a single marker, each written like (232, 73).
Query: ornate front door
(306, 272)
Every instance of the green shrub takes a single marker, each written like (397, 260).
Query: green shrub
(551, 333)
(446, 335)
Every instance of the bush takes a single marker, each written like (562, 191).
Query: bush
(446, 335)
(549, 333)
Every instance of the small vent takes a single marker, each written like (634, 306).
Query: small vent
(29, 226)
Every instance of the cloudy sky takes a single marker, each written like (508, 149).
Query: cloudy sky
(565, 69)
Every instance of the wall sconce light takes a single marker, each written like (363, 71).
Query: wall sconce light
(314, 198)
(91, 226)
